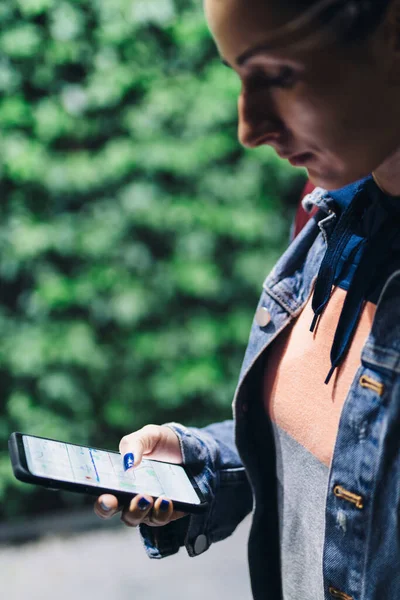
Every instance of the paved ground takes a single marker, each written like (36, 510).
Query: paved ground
(110, 564)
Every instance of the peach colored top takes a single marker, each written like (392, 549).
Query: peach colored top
(295, 395)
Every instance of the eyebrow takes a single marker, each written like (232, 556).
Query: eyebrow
(304, 42)
(243, 58)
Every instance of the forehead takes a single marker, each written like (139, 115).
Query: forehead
(239, 25)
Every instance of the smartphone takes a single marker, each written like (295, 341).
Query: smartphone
(59, 465)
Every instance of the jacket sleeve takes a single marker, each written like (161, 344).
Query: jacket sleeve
(214, 461)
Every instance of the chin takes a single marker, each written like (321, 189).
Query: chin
(333, 181)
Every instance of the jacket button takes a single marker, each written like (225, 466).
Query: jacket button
(200, 544)
(262, 316)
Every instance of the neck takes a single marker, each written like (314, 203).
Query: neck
(387, 175)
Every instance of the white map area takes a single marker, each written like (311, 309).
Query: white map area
(79, 464)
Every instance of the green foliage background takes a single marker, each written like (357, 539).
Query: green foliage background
(135, 231)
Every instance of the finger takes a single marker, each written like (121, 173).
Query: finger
(174, 517)
(138, 510)
(176, 514)
(106, 506)
(162, 512)
(135, 445)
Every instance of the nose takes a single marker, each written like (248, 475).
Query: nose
(258, 122)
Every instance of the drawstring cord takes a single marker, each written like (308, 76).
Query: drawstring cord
(374, 255)
(337, 243)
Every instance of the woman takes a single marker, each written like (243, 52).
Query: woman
(317, 412)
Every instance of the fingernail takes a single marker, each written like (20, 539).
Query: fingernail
(128, 461)
(164, 506)
(105, 507)
(143, 503)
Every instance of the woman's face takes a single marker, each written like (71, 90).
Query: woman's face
(332, 109)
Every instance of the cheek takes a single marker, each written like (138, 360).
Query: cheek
(330, 125)
(328, 130)
(311, 120)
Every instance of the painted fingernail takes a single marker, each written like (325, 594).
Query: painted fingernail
(128, 461)
(164, 506)
(143, 504)
(105, 507)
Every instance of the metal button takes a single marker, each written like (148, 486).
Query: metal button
(200, 544)
(262, 316)
(338, 594)
(356, 499)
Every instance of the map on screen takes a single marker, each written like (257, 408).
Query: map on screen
(99, 468)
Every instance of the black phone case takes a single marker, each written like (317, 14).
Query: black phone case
(22, 473)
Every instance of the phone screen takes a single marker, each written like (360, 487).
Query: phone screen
(99, 468)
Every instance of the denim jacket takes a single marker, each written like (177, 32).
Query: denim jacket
(234, 461)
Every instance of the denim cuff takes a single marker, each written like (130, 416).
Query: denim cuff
(160, 542)
(214, 463)
(199, 452)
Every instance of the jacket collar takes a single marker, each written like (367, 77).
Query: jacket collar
(332, 200)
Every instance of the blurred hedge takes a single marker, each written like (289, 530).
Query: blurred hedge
(135, 232)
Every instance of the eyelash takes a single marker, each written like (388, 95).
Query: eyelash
(285, 80)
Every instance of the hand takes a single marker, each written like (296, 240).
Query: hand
(152, 441)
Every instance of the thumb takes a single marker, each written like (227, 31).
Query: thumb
(142, 442)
